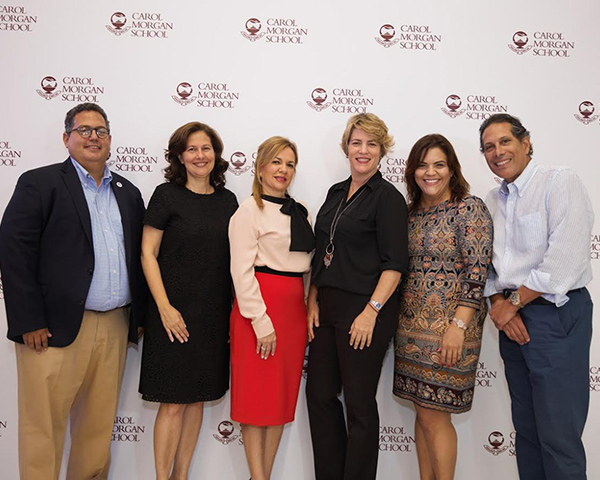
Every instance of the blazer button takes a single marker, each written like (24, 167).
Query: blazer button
(90, 271)
(82, 303)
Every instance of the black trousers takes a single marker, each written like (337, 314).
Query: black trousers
(346, 451)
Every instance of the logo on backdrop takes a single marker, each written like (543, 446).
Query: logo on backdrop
(477, 107)
(392, 169)
(386, 38)
(395, 439)
(484, 377)
(343, 100)
(453, 104)
(16, 19)
(277, 30)
(519, 45)
(586, 112)
(210, 95)
(226, 432)
(74, 89)
(595, 247)
(125, 429)
(544, 44)
(8, 155)
(496, 444)
(142, 25)
(595, 378)
(408, 37)
(3, 426)
(305, 367)
(238, 163)
(131, 158)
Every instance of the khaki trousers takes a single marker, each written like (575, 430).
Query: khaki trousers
(83, 380)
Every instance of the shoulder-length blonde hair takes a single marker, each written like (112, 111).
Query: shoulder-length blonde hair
(267, 151)
(373, 126)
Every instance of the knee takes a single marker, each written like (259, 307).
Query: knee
(172, 410)
(432, 421)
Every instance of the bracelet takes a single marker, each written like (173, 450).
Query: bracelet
(459, 323)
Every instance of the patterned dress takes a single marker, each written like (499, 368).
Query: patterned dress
(450, 247)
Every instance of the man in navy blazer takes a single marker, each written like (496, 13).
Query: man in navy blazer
(74, 294)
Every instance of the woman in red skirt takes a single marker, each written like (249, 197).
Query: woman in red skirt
(271, 240)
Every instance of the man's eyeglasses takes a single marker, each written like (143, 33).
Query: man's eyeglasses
(85, 131)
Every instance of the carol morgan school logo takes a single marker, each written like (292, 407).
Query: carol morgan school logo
(343, 100)
(16, 19)
(453, 102)
(410, 37)
(386, 38)
(394, 439)
(210, 95)
(595, 378)
(126, 430)
(130, 158)
(392, 169)
(478, 107)
(3, 425)
(484, 377)
(74, 89)
(143, 25)
(496, 444)
(225, 435)
(586, 110)
(519, 45)
(545, 44)
(8, 155)
(238, 164)
(278, 30)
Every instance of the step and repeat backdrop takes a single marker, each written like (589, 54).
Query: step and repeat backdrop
(253, 69)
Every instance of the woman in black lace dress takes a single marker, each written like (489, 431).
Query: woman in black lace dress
(185, 257)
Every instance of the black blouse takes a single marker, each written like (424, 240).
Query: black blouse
(371, 236)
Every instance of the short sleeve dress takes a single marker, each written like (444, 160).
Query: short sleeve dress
(450, 248)
(194, 265)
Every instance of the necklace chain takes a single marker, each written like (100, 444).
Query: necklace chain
(327, 259)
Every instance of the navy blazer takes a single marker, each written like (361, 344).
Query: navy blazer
(47, 256)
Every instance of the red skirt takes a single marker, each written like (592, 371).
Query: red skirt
(265, 392)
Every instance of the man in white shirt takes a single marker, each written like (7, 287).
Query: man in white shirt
(542, 225)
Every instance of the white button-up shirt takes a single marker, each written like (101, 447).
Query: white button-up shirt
(542, 227)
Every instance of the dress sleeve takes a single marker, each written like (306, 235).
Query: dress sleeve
(392, 231)
(243, 241)
(158, 212)
(475, 236)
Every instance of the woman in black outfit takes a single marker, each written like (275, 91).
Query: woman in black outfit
(361, 252)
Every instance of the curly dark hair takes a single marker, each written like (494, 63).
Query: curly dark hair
(459, 187)
(176, 171)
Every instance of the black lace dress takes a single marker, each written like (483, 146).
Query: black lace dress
(194, 265)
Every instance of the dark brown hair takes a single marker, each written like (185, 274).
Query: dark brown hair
(459, 187)
(176, 171)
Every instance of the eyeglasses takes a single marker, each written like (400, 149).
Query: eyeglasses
(85, 131)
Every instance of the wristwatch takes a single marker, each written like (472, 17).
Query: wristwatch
(459, 323)
(375, 305)
(515, 299)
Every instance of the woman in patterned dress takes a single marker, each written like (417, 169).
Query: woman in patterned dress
(442, 309)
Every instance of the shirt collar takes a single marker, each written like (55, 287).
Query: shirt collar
(372, 183)
(522, 181)
(87, 180)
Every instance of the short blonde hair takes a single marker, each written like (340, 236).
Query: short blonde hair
(267, 151)
(373, 126)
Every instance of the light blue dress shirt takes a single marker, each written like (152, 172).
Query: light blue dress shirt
(542, 226)
(110, 281)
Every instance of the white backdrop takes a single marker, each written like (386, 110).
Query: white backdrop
(256, 69)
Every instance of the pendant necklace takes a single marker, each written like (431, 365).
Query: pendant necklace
(336, 218)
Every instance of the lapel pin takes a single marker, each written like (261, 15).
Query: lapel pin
(119, 184)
